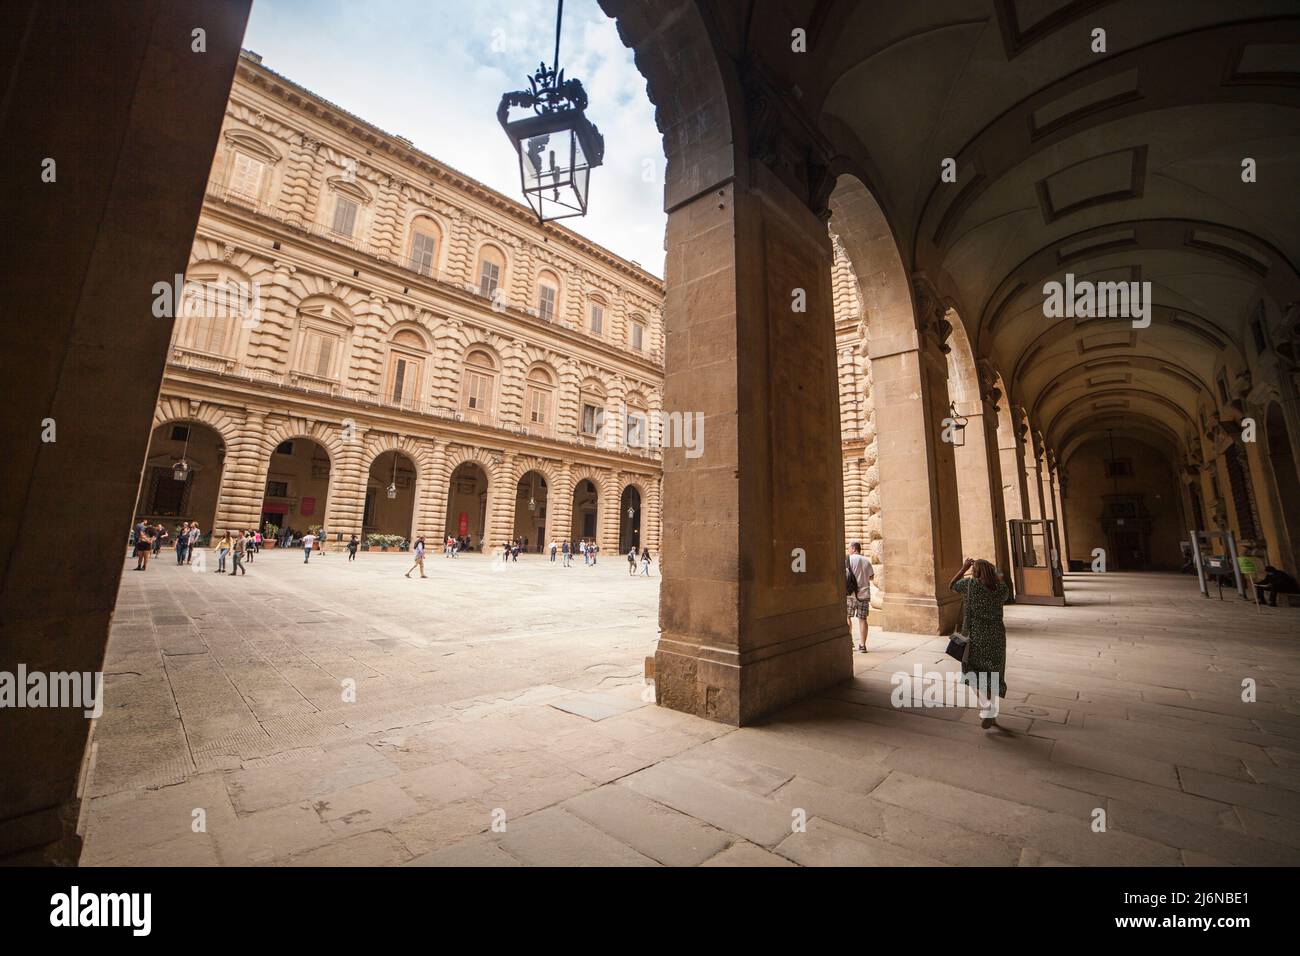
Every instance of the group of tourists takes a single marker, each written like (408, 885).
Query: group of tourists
(632, 558)
(983, 636)
(455, 545)
(148, 539)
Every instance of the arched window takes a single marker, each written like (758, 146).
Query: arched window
(539, 394)
(491, 271)
(548, 295)
(426, 239)
(591, 419)
(249, 163)
(215, 304)
(324, 328)
(636, 432)
(347, 200)
(406, 352)
(478, 389)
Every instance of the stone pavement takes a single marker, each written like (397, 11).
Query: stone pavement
(500, 719)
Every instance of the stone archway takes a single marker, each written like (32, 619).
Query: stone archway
(467, 503)
(296, 494)
(166, 499)
(631, 509)
(392, 495)
(585, 524)
(531, 522)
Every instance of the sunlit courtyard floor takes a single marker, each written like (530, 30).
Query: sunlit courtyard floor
(500, 718)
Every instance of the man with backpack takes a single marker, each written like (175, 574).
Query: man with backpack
(858, 573)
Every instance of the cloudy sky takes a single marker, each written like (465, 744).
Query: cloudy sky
(434, 71)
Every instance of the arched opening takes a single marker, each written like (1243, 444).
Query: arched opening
(467, 504)
(1281, 459)
(297, 487)
(530, 511)
(586, 510)
(629, 520)
(182, 475)
(390, 496)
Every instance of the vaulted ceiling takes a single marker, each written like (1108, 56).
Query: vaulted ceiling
(1123, 165)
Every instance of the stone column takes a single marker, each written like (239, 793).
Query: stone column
(1058, 496)
(559, 504)
(345, 506)
(652, 517)
(742, 633)
(610, 514)
(243, 476)
(437, 488)
(302, 183)
(501, 502)
(1033, 483)
(918, 481)
(979, 484)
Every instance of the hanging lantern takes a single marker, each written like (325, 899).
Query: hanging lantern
(956, 427)
(557, 145)
(532, 503)
(180, 470)
(631, 512)
(392, 491)
(392, 485)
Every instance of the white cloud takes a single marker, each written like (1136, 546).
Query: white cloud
(434, 72)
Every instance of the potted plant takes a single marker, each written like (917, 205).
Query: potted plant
(269, 534)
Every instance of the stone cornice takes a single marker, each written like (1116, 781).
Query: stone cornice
(400, 150)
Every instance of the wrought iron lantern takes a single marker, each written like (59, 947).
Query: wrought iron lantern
(631, 512)
(956, 427)
(181, 470)
(557, 145)
(392, 485)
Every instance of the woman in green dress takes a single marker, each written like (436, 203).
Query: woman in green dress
(983, 594)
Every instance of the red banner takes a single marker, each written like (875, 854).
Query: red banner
(464, 523)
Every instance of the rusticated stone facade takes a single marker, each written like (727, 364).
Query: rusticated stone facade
(348, 298)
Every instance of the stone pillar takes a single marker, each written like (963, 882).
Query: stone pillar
(559, 504)
(243, 476)
(742, 633)
(501, 503)
(436, 488)
(345, 504)
(979, 484)
(652, 517)
(610, 514)
(302, 183)
(922, 536)
(1033, 483)
(1058, 495)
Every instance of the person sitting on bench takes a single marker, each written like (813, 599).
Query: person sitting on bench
(1275, 582)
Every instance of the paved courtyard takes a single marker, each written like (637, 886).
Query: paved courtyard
(500, 718)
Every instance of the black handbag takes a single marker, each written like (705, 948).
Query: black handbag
(957, 645)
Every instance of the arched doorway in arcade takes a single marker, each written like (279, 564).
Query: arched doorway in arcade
(530, 527)
(181, 480)
(297, 487)
(586, 510)
(467, 504)
(390, 496)
(629, 520)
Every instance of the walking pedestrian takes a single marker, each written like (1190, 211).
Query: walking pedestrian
(195, 534)
(308, 542)
(250, 549)
(857, 582)
(352, 548)
(144, 541)
(645, 563)
(159, 536)
(631, 560)
(237, 554)
(552, 549)
(565, 552)
(182, 542)
(223, 548)
(985, 662)
(419, 558)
